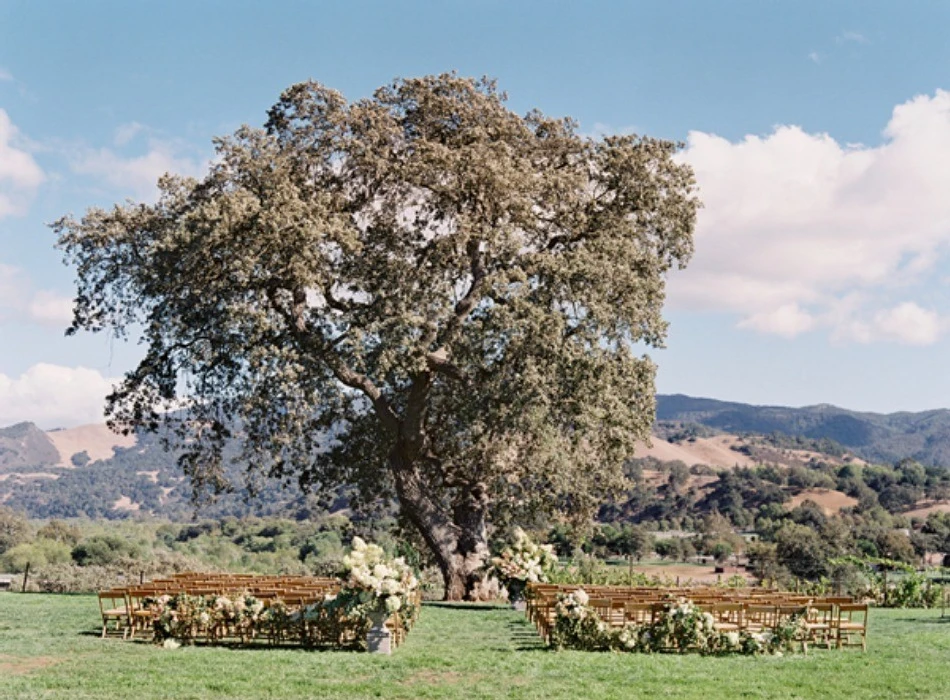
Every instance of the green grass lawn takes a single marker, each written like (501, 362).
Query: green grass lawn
(49, 648)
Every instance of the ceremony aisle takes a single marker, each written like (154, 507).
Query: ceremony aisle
(50, 648)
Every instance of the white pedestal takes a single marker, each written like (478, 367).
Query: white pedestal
(379, 639)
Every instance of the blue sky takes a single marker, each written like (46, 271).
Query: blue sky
(819, 133)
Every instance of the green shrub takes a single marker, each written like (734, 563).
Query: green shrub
(37, 554)
(14, 529)
(101, 550)
(60, 532)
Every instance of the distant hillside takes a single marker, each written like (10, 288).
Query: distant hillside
(25, 445)
(90, 471)
(875, 437)
(95, 440)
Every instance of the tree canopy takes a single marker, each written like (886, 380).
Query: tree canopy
(421, 293)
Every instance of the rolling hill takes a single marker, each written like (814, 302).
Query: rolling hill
(876, 437)
(89, 471)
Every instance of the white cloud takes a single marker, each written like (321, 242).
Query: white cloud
(19, 300)
(19, 173)
(814, 57)
(5, 75)
(787, 320)
(852, 37)
(795, 223)
(126, 132)
(50, 308)
(908, 324)
(135, 175)
(54, 396)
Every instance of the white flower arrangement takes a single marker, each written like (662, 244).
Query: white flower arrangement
(523, 562)
(381, 583)
(574, 605)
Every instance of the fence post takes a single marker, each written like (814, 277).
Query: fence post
(26, 576)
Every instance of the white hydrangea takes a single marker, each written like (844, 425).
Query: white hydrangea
(382, 583)
(524, 560)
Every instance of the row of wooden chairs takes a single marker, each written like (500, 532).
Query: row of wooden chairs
(836, 621)
(125, 611)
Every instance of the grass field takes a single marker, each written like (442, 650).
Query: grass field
(49, 648)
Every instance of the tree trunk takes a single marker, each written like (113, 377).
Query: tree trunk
(464, 569)
(456, 538)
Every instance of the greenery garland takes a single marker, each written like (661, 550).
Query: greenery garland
(681, 627)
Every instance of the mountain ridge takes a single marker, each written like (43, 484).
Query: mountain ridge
(923, 436)
(89, 471)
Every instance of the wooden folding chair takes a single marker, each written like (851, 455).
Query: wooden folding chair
(820, 622)
(617, 615)
(113, 609)
(544, 616)
(851, 622)
(640, 613)
(602, 607)
(759, 618)
(140, 617)
(730, 617)
(837, 600)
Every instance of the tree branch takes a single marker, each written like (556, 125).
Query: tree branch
(361, 382)
(462, 309)
(297, 321)
(439, 362)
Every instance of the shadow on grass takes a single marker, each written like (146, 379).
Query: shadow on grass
(230, 644)
(925, 620)
(258, 646)
(261, 646)
(471, 607)
(525, 638)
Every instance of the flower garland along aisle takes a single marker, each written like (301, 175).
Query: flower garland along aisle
(384, 590)
(183, 618)
(376, 605)
(522, 563)
(680, 628)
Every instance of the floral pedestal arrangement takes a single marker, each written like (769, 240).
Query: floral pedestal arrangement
(380, 587)
(523, 563)
(379, 640)
(516, 589)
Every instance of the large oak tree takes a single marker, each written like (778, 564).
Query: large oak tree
(421, 293)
